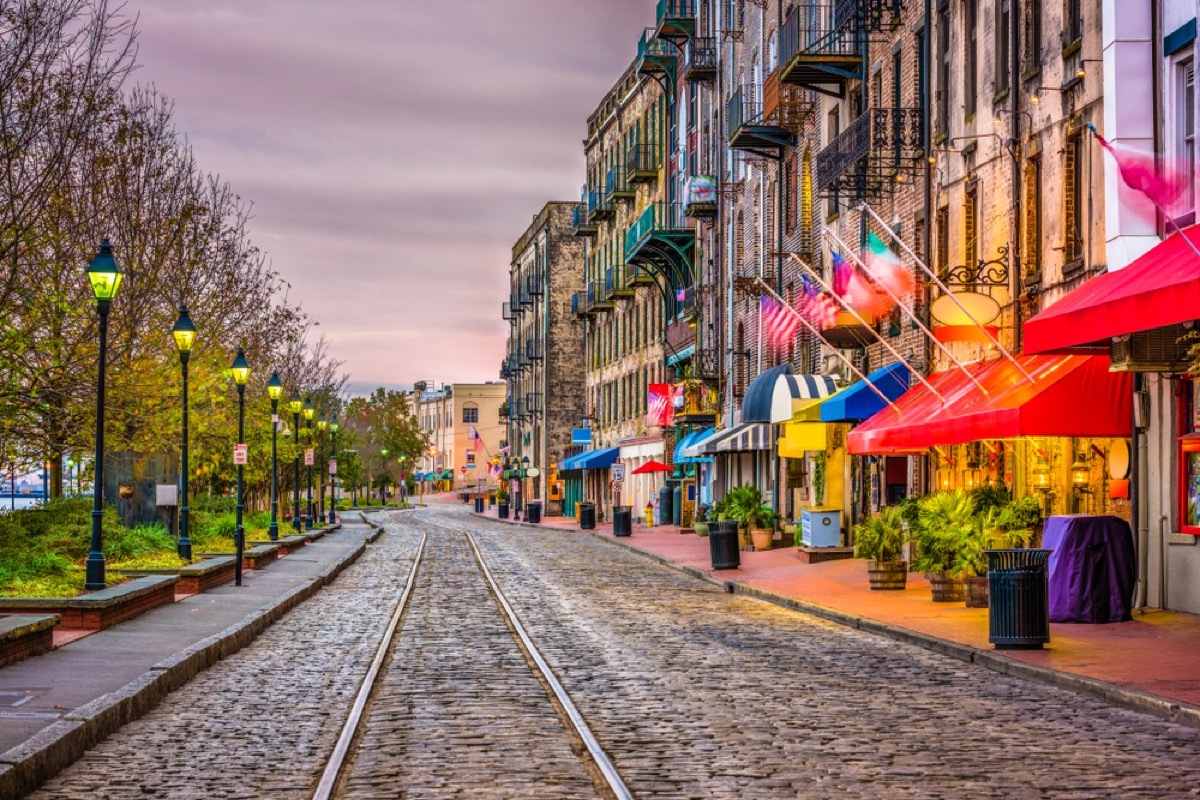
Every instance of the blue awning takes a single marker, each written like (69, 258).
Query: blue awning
(693, 438)
(602, 458)
(858, 402)
(682, 355)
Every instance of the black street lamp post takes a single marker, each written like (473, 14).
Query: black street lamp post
(241, 374)
(105, 277)
(383, 452)
(296, 405)
(322, 426)
(334, 426)
(274, 391)
(309, 413)
(185, 334)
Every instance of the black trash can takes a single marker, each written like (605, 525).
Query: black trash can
(502, 509)
(587, 516)
(480, 504)
(723, 545)
(666, 502)
(533, 511)
(623, 521)
(1018, 599)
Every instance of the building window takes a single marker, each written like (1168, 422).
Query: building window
(942, 245)
(971, 56)
(1189, 460)
(470, 415)
(922, 81)
(1003, 44)
(943, 82)
(1073, 22)
(834, 128)
(971, 226)
(897, 103)
(470, 458)
(1186, 139)
(1032, 251)
(1073, 203)
(1033, 36)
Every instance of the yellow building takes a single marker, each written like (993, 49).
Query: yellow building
(449, 416)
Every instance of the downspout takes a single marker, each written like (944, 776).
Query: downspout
(921, 479)
(1015, 268)
(779, 183)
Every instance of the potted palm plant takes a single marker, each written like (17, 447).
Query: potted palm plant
(1006, 527)
(755, 521)
(880, 539)
(945, 526)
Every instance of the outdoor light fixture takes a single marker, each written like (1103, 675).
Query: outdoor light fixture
(1040, 475)
(309, 412)
(185, 335)
(945, 479)
(296, 405)
(1081, 472)
(105, 278)
(241, 375)
(275, 392)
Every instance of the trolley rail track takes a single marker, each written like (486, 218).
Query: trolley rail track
(335, 780)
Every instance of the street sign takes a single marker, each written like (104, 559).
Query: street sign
(463, 470)
(166, 494)
(333, 466)
(581, 436)
(309, 459)
(618, 473)
(241, 454)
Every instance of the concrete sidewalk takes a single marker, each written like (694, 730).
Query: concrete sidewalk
(54, 706)
(1148, 664)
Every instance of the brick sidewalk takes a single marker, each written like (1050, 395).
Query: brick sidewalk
(1154, 655)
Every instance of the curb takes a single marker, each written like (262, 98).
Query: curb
(1110, 693)
(28, 765)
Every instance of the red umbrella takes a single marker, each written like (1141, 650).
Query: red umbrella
(651, 466)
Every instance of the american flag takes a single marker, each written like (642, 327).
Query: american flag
(779, 322)
(818, 307)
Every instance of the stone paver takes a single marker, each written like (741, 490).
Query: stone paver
(693, 693)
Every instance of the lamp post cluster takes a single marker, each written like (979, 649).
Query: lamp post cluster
(104, 275)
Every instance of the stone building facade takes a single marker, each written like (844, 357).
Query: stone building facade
(545, 348)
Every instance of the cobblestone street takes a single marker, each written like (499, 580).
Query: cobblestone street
(692, 693)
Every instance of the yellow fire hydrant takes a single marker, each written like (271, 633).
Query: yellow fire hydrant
(649, 515)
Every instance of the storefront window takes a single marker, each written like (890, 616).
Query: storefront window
(1189, 459)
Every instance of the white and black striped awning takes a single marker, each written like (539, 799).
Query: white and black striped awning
(742, 438)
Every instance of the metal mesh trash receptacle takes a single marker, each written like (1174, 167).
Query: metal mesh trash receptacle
(480, 505)
(623, 521)
(533, 512)
(1018, 599)
(723, 545)
(587, 516)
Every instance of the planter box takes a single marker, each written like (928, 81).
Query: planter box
(196, 578)
(286, 544)
(255, 557)
(98, 610)
(25, 635)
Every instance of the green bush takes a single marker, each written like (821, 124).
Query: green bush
(880, 538)
(989, 496)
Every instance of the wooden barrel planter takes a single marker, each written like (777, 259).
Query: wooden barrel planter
(891, 575)
(976, 591)
(945, 588)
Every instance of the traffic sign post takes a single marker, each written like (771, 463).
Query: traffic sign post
(241, 454)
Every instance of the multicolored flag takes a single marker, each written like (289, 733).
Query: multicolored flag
(1140, 173)
(660, 410)
(885, 268)
(842, 273)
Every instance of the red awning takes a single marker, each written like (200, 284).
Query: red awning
(1070, 396)
(1161, 288)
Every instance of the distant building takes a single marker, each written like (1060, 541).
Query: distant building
(545, 383)
(449, 415)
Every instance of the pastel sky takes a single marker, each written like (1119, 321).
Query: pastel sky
(393, 149)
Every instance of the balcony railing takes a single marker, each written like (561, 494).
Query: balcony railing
(505, 372)
(533, 284)
(873, 149)
(533, 350)
(676, 18)
(517, 410)
(658, 217)
(655, 56)
(700, 59)
(617, 184)
(533, 403)
(642, 163)
(742, 109)
(581, 224)
(601, 301)
(506, 311)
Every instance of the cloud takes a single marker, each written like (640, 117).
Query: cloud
(394, 151)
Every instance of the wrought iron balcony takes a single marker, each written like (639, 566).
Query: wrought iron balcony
(533, 403)
(655, 56)
(820, 47)
(581, 224)
(505, 372)
(505, 408)
(533, 284)
(616, 282)
(601, 301)
(748, 127)
(662, 239)
(701, 403)
(642, 163)
(866, 159)
(676, 19)
(580, 307)
(617, 184)
(517, 412)
(506, 311)
(700, 59)
(533, 350)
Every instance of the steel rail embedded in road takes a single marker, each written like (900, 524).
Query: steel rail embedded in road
(577, 721)
(334, 768)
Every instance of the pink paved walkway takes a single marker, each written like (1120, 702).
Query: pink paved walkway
(1158, 652)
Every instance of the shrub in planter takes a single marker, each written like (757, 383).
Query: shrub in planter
(945, 526)
(998, 528)
(745, 506)
(880, 539)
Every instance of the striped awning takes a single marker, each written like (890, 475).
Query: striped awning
(691, 440)
(775, 394)
(744, 438)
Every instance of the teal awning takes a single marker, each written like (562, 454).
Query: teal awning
(682, 355)
(692, 439)
(601, 458)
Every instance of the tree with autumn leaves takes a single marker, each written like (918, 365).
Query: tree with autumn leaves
(385, 421)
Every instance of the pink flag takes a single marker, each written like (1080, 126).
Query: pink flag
(1139, 173)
